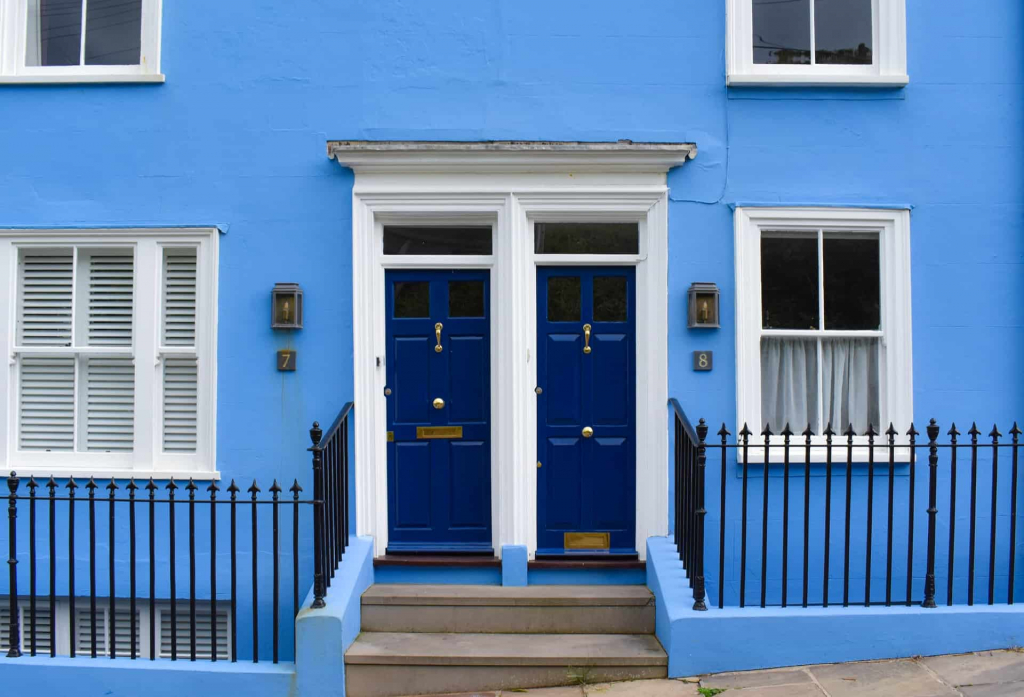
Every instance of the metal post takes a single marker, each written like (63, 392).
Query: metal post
(319, 590)
(698, 585)
(933, 468)
(12, 527)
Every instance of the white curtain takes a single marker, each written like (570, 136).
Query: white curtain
(789, 384)
(849, 384)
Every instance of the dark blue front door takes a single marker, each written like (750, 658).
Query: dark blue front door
(439, 405)
(586, 429)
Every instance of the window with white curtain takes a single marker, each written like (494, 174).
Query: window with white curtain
(80, 40)
(823, 320)
(112, 369)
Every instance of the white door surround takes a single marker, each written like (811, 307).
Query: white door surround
(510, 186)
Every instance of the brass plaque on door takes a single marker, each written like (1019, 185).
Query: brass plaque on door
(430, 432)
(588, 540)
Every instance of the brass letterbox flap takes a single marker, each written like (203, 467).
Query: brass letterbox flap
(588, 540)
(430, 432)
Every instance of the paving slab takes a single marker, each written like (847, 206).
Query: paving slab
(800, 690)
(982, 668)
(757, 678)
(643, 688)
(546, 692)
(881, 679)
(1006, 689)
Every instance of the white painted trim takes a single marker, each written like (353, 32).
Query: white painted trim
(890, 53)
(13, 35)
(509, 157)
(893, 228)
(147, 459)
(511, 204)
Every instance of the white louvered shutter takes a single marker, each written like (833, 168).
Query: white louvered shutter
(111, 290)
(181, 399)
(181, 374)
(204, 635)
(44, 638)
(83, 630)
(123, 632)
(47, 403)
(47, 385)
(179, 301)
(5, 626)
(109, 404)
(44, 313)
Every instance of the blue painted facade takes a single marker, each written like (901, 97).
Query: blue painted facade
(236, 137)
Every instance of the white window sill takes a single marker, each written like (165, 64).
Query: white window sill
(746, 80)
(82, 474)
(72, 79)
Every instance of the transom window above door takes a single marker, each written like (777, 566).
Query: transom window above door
(80, 41)
(438, 240)
(825, 42)
(823, 320)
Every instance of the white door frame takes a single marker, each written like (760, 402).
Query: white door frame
(511, 202)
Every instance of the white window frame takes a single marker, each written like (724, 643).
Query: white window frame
(147, 458)
(889, 67)
(14, 35)
(896, 367)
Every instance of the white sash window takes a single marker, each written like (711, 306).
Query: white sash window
(111, 354)
(817, 42)
(80, 41)
(823, 322)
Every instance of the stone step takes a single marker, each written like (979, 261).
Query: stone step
(390, 664)
(508, 610)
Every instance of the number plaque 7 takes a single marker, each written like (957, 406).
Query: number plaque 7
(286, 360)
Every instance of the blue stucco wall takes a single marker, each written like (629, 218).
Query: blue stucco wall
(236, 138)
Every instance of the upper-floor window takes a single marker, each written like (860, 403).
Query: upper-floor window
(80, 41)
(823, 42)
(112, 352)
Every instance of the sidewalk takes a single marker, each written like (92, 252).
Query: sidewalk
(986, 674)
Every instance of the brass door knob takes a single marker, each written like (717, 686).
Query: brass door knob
(439, 403)
(587, 431)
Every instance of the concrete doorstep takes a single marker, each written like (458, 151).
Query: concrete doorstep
(984, 674)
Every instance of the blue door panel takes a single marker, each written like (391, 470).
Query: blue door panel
(611, 482)
(586, 484)
(469, 506)
(411, 390)
(612, 364)
(563, 460)
(563, 368)
(467, 385)
(412, 474)
(439, 489)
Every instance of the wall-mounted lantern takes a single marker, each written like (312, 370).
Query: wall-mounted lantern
(286, 306)
(703, 306)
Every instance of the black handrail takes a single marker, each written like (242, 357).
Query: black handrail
(330, 490)
(690, 462)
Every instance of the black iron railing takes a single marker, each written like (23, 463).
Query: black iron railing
(690, 463)
(331, 490)
(107, 621)
(811, 520)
